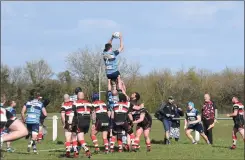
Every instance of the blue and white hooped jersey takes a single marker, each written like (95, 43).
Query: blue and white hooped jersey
(111, 62)
(34, 110)
(191, 115)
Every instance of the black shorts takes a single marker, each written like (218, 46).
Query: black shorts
(33, 128)
(238, 125)
(113, 76)
(144, 126)
(83, 123)
(102, 123)
(197, 127)
(123, 126)
(70, 128)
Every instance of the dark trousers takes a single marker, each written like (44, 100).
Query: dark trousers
(208, 133)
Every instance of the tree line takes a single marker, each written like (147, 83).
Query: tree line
(86, 69)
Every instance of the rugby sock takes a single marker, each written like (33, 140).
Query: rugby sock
(84, 145)
(136, 143)
(68, 146)
(40, 135)
(106, 144)
(34, 145)
(95, 141)
(234, 138)
(113, 140)
(74, 146)
(119, 142)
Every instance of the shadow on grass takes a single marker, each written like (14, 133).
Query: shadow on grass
(153, 141)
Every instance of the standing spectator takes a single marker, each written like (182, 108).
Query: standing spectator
(167, 113)
(174, 130)
(208, 116)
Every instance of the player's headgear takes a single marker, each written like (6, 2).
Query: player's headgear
(78, 89)
(95, 97)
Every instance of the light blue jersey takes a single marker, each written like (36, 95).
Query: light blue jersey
(73, 98)
(34, 110)
(112, 100)
(191, 115)
(111, 62)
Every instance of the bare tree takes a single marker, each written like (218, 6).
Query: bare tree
(38, 71)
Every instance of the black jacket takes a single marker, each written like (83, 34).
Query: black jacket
(167, 111)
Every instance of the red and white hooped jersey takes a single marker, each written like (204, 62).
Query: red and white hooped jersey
(82, 106)
(99, 107)
(67, 107)
(121, 107)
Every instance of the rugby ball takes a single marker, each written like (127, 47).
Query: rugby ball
(116, 35)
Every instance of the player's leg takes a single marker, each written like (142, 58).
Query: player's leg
(33, 141)
(139, 131)
(119, 142)
(105, 140)
(18, 130)
(234, 137)
(93, 137)
(68, 145)
(199, 128)
(241, 131)
(188, 134)
(82, 130)
(167, 125)
(147, 138)
(74, 142)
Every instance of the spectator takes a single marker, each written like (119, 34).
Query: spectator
(208, 117)
(167, 113)
(174, 130)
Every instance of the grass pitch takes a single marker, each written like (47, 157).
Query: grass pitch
(177, 150)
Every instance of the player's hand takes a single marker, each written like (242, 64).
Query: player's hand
(142, 105)
(180, 109)
(228, 115)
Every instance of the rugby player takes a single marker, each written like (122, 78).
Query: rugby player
(10, 107)
(193, 122)
(42, 118)
(69, 128)
(15, 126)
(82, 110)
(112, 97)
(238, 118)
(120, 117)
(33, 108)
(140, 116)
(100, 122)
(111, 62)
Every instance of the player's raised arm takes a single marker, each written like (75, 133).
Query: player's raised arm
(120, 49)
(110, 41)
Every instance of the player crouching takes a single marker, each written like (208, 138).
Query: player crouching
(119, 117)
(100, 122)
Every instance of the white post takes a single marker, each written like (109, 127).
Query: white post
(197, 136)
(99, 81)
(216, 113)
(55, 129)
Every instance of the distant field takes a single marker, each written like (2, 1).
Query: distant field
(181, 150)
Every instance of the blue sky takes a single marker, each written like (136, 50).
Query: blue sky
(172, 35)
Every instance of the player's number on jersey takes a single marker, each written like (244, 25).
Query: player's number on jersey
(120, 108)
(101, 107)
